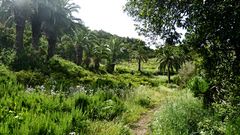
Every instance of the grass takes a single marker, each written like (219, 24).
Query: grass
(151, 66)
(153, 95)
(28, 112)
(108, 128)
(179, 114)
(62, 105)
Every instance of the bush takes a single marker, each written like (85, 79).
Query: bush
(222, 119)
(121, 70)
(67, 68)
(7, 56)
(106, 82)
(105, 106)
(64, 74)
(144, 102)
(39, 113)
(82, 102)
(177, 80)
(187, 71)
(60, 82)
(179, 115)
(29, 60)
(198, 86)
(6, 75)
(30, 78)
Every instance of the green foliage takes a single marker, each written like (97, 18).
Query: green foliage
(179, 114)
(198, 85)
(171, 58)
(111, 128)
(145, 102)
(69, 69)
(222, 119)
(7, 56)
(186, 72)
(30, 78)
(64, 74)
(82, 102)
(38, 113)
(6, 36)
(105, 106)
(6, 75)
(176, 80)
(110, 82)
(29, 60)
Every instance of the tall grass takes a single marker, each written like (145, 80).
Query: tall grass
(179, 115)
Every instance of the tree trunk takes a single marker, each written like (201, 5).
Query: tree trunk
(87, 61)
(79, 54)
(168, 68)
(139, 65)
(52, 41)
(96, 64)
(36, 31)
(20, 26)
(110, 68)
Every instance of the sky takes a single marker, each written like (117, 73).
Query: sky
(106, 15)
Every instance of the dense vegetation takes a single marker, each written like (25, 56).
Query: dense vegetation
(59, 77)
(212, 41)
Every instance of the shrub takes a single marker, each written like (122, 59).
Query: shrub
(178, 115)
(30, 78)
(103, 82)
(121, 70)
(6, 75)
(105, 106)
(198, 86)
(88, 81)
(38, 113)
(60, 82)
(82, 102)
(222, 119)
(67, 68)
(7, 56)
(29, 60)
(187, 71)
(145, 102)
(177, 80)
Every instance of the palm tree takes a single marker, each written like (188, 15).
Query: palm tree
(19, 10)
(90, 43)
(80, 37)
(100, 52)
(39, 9)
(139, 52)
(170, 58)
(116, 53)
(59, 20)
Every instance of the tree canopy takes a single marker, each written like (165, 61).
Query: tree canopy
(213, 31)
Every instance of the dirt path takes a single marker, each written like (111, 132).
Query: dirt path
(141, 127)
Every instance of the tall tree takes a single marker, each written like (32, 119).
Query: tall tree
(100, 52)
(91, 42)
(80, 38)
(116, 53)
(59, 20)
(170, 58)
(213, 30)
(19, 10)
(39, 9)
(139, 52)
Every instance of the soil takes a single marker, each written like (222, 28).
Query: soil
(141, 127)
